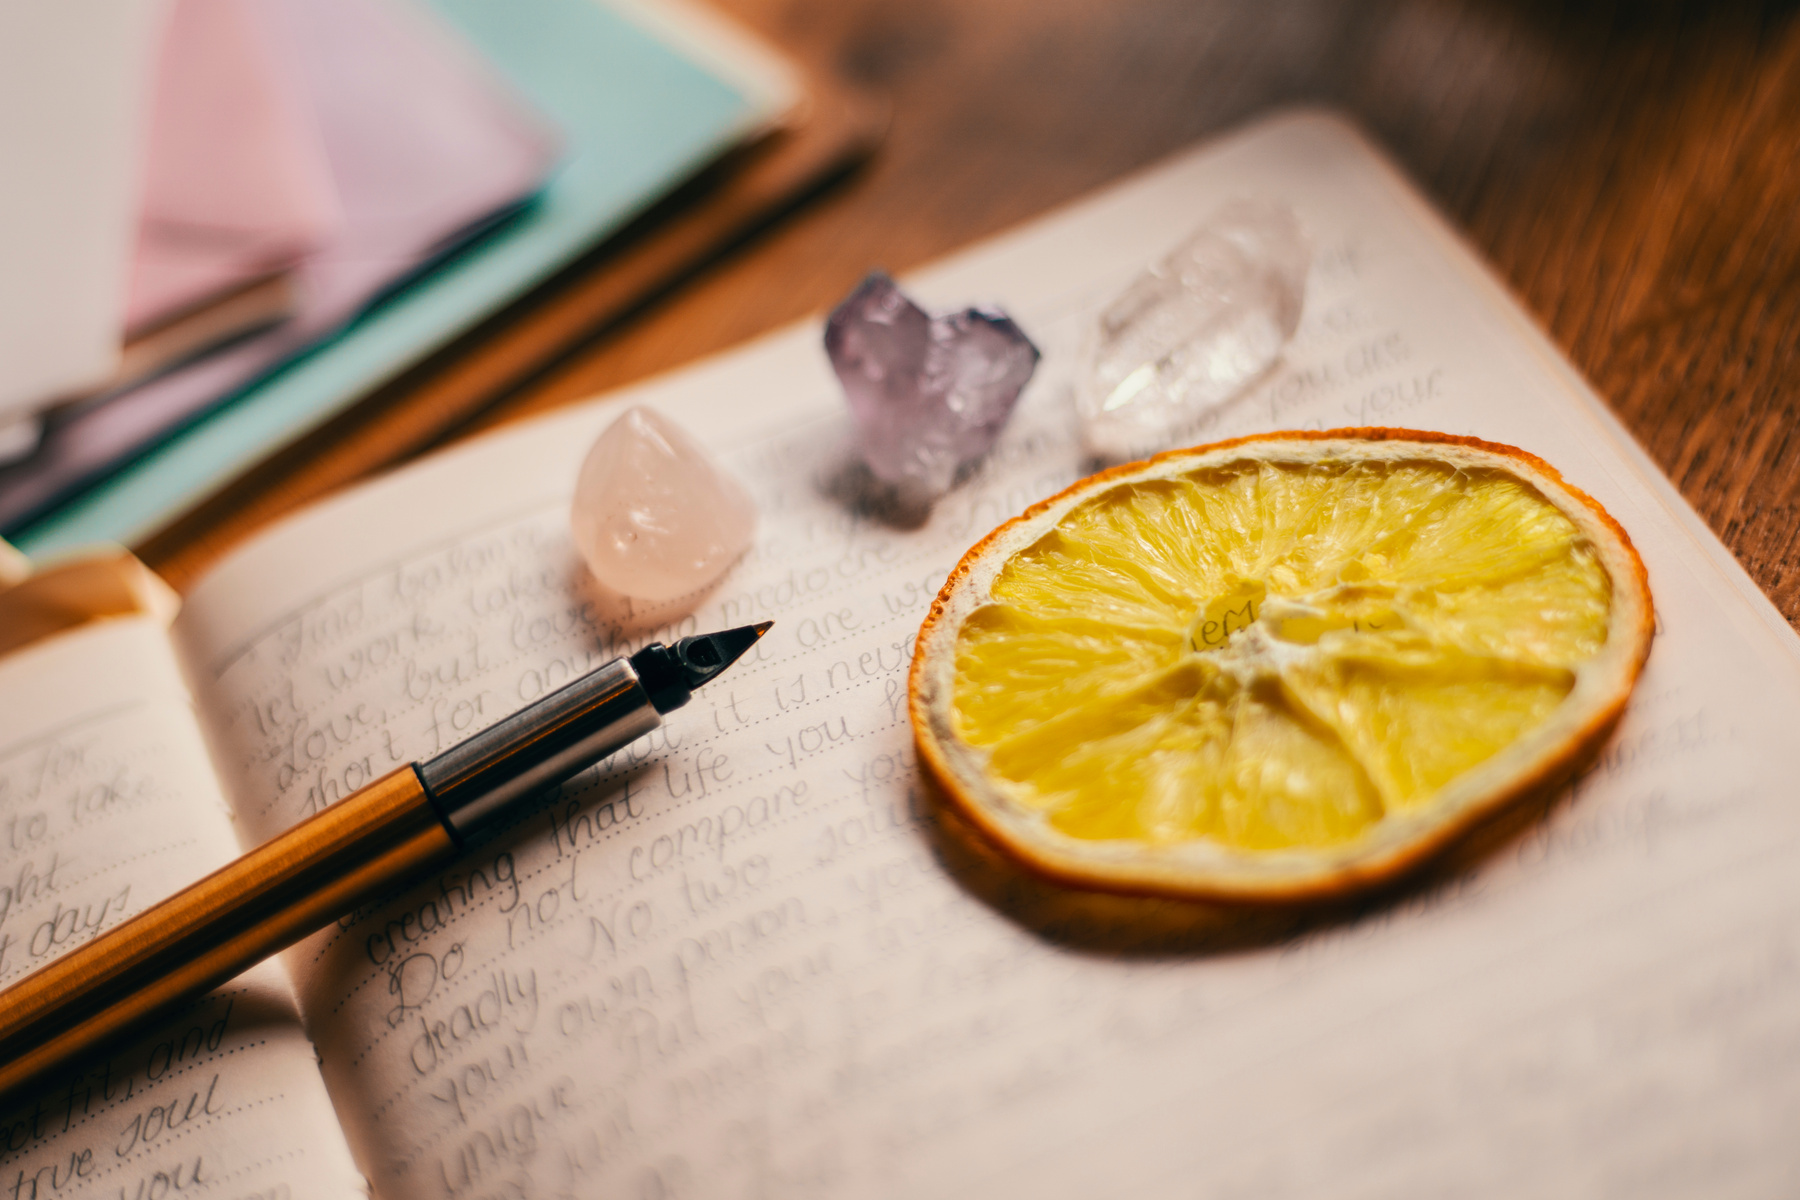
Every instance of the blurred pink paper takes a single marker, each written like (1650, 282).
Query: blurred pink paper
(425, 140)
(237, 184)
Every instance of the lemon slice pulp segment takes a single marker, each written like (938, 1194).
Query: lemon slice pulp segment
(1279, 667)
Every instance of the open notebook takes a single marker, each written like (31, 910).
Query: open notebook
(749, 956)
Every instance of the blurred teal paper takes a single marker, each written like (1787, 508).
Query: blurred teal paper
(638, 112)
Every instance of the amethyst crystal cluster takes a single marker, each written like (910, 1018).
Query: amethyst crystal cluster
(928, 394)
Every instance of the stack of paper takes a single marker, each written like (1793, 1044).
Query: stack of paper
(299, 157)
(315, 173)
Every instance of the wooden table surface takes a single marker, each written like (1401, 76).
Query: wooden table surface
(1629, 167)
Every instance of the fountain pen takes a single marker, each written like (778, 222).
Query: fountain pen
(390, 833)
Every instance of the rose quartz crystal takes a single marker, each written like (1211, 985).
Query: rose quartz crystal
(654, 516)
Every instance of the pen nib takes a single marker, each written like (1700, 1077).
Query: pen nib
(705, 656)
(670, 673)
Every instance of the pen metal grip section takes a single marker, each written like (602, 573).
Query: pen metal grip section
(571, 729)
(382, 835)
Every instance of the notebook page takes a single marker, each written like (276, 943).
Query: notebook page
(751, 955)
(108, 804)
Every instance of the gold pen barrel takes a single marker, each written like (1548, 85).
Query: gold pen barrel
(384, 835)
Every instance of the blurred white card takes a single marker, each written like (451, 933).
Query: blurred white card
(73, 79)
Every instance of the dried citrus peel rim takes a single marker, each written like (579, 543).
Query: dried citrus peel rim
(1206, 869)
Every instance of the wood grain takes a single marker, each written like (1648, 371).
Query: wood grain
(1628, 166)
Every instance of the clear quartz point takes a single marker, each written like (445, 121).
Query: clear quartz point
(654, 516)
(928, 394)
(1194, 330)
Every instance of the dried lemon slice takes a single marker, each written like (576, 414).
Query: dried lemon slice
(1281, 667)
